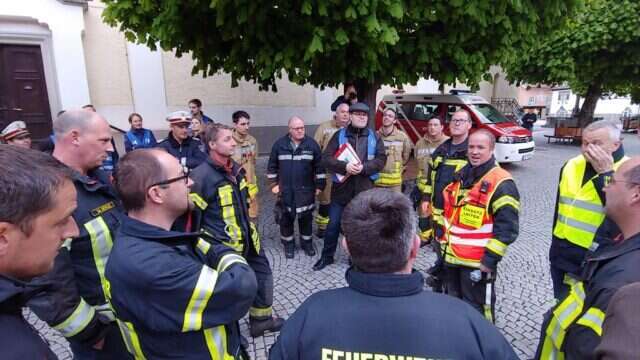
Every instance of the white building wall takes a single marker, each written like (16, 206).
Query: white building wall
(66, 23)
(563, 102)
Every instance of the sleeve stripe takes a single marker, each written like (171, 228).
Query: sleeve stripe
(593, 319)
(228, 260)
(203, 246)
(78, 320)
(497, 246)
(272, 176)
(506, 200)
(199, 299)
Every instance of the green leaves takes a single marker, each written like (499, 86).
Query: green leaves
(327, 42)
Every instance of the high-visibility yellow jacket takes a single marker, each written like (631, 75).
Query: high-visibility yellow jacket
(423, 150)
(398, 148)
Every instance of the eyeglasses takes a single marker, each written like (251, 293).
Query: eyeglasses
(613, 180)
(297, 128)
(458, 121)
(184, 177)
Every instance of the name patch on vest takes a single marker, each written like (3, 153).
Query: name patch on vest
(102, 209)
(471, 215)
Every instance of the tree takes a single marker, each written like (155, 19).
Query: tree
(596, 52)
(329, 42)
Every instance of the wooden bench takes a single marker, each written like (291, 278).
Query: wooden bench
(565, 139)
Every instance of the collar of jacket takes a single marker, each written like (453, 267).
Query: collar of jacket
(220, 168)
(95, 180)
(470, 174)
(628, 245)
(381, 132)
(290, 141)
(141, 230)
(352, 131)
(241, 141)
(385, 285)
(15, 293)
(140, 131)
(174, 143)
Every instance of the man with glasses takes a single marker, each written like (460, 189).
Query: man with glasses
(179, 144)
(174, 294)
(355, 177)
(296, 177)
(398, 149)
(221, 195)
(580, 225)
(433, 137)
(446, 160)
(572, 329)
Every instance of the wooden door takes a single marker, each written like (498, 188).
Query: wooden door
(23, 91)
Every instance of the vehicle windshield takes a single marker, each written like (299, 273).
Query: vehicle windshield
(489, 114)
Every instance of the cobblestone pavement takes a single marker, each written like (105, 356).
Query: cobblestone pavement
(523, 284)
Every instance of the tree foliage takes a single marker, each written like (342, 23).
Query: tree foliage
(328, 42)
(596, 52)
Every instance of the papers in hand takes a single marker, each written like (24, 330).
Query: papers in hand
(347, 154)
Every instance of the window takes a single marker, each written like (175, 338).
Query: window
(418, 111)
(563, 96)
(489, 114)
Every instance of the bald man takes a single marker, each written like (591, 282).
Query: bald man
(296, 177)
(82, 140)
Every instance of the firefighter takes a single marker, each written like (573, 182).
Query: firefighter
(385, 313)
(174, 294)
(179, 144)
(572, 328)
(221, 195)
(75, 303)
(35, 219)
(445, 161)
(323, 134)
(245, 155)
(580, 225)
(398, 148)
(297, 177)
(433, 137)
(17, 134)
(356, 176)
(481, 208)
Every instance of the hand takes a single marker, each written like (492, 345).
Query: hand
(601, 160)
(275, 190)
(485, 269)
(354, 169)
(318, 191)
(425, 208)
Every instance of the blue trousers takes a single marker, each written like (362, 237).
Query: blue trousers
(333, 230)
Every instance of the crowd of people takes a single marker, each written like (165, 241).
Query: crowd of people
(157, 254)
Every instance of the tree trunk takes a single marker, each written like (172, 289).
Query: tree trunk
(585, 116)
(576, 107)
(367, 92)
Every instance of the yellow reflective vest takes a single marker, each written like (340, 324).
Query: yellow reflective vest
(580, 210)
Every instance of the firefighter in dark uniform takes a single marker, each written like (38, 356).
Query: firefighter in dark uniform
(174, 294)
(385, 313)
(297, 177)
(179, 144)
(446, 160)
(75, 303)
(481, 208)
(35, 219)
(572, 328)
(221, 195)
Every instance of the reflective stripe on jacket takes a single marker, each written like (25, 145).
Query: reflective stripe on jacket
(245, 155)
(398, 149)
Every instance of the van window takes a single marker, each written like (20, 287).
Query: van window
(419, 111)
(452, 109)
(488, 114)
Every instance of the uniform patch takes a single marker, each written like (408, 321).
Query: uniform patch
(472, 216)
(102, 209)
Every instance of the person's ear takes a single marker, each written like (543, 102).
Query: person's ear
(415, 247)
(154, 195)
(5, 227)
(75, 137)
(343, 243)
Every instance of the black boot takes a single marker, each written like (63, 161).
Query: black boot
(322, 263)
(320, 233)
(307, 246)
(259, 327)
(289, 249)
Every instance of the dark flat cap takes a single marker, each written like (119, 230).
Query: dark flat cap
(359, 107)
